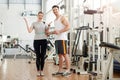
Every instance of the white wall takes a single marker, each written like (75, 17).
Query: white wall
(13, 22)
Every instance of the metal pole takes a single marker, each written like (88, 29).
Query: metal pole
(1, 40)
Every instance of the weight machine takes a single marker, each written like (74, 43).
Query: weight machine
(112, 49)
(77, 57)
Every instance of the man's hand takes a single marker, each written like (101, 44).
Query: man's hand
(56, 32)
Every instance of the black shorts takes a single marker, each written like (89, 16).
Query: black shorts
(61, 46)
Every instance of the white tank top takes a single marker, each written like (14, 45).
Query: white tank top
(59, 26)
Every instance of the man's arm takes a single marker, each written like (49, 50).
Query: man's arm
(65, 22)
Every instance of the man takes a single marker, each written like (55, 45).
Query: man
(61, 28)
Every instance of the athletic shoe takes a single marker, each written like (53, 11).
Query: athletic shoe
(38, 73)
(41, 73)
(57, 73)
(66, 73)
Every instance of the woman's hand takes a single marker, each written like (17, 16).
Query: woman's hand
(47, 32)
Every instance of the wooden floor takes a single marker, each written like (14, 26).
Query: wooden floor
(19, 69)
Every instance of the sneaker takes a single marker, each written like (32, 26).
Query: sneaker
(38, 73)
(66, 73)
(42, 74)
(57, 73)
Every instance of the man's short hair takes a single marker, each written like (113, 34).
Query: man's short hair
(55, 6)
(40, 12)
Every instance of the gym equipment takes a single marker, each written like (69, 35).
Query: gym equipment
(109, 45)
(49, 45)
(77, 37)
(26, 50)
(90, 12)
(85, 49)
(51, 50)
(1, 42)
(107, 73)
(117, 56)
(92, 76)
(116, 65)
(96, 55)
(78, 56)
(33, 55)
(94, 63)
(109, 67)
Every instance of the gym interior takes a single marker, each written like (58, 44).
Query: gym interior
(93, 37)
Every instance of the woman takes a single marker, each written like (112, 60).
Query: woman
(40, 41)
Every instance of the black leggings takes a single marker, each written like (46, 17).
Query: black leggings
(40, 50)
